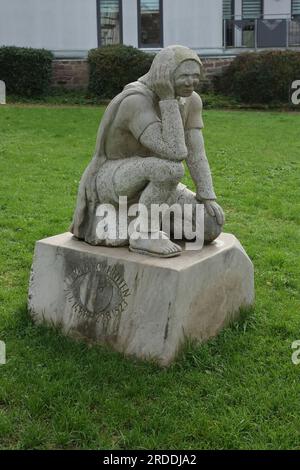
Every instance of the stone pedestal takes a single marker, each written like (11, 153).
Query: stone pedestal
(140, 305)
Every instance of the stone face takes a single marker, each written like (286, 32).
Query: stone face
(140, 305)
(2, 92)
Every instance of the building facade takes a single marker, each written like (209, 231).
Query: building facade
(71, 27)
(216, 29)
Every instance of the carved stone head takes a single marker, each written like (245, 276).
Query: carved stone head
(184, 65)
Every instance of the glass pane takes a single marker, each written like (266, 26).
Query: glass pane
(150, 23)
(228, 15)
(110, 22)
(228, 9)
(252, 9)
(295, 7)
(294, 31)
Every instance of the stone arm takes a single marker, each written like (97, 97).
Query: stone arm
(198, 165)
(164, 137)
(200, 172)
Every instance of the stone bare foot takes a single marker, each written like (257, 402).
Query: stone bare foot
(160, 245)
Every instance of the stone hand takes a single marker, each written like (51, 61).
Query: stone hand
(162, 84)
(214, 210)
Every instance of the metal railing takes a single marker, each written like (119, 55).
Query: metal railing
(261, 33)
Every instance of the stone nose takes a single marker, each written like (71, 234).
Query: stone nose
(189, 81)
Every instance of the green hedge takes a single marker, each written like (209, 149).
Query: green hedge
(26, 72)
(113, 67)
(262, 77)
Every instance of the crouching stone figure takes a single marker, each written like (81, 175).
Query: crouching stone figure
(146, 134)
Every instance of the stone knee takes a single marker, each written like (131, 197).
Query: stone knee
(168, 172)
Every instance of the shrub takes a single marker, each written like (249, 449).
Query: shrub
(112, 67)
(262, 77)
(26, 71)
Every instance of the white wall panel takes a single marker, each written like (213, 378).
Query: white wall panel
(277, 9)
(193, 23)
(130, 23)
(52, 24)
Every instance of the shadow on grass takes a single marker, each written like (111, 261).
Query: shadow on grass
(202, 355)
(49, 343)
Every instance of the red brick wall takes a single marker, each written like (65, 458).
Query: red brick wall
(75, 73)
(70, 73)
(215, 66)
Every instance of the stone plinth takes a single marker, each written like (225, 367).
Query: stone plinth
(140, 305)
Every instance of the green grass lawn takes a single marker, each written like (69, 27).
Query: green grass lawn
(240, 390)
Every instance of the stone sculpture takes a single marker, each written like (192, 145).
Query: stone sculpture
(146, 133)
(141, 305)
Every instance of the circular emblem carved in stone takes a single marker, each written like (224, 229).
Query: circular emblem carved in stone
(97, 291)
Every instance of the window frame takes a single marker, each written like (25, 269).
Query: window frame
(139, 18)
(98, 8)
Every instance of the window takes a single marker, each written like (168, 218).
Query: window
(109, 13)
(252, 9)
(295, 7)
(228, 23)
(150, 23)
(294, 32)
(228, 9)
